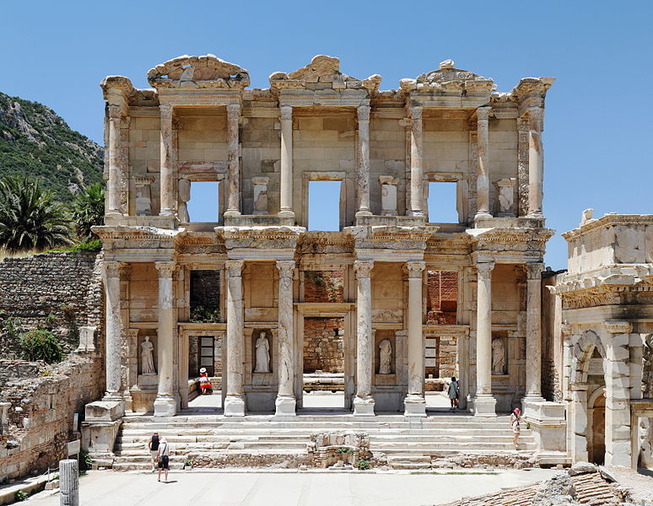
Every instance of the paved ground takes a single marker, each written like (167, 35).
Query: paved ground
(107, 488)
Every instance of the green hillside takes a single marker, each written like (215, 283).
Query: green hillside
(35, 141)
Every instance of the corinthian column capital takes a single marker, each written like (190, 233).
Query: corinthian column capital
(363, 268)
(363, 112)
(112, 269)
(166, 269)
(286, 112)
(233, 111)
(483, 113)
(415, 269)
(484, 269)
(286, 268)
(534, 271)
(234, 267)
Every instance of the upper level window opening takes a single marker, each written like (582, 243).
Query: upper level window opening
(204, 202)
(442, 202)
(324, 205)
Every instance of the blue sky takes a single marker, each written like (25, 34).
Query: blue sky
(599, 119)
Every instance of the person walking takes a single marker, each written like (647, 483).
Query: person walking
(153, 445)
(163, 455)
(454, 394)
(515, 418)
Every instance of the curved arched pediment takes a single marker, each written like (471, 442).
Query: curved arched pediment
(583, 350)
(207, 71)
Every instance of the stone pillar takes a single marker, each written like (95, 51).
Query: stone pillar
(415, 403)
(364, 402)
(534, 333)
(234, 403)
(484, 403)
(578, 420)
(113, 338)
(113, 185)
(68, 482)
(286, 162)
(416, 163)
(233, 160)
(165, 403)
(167, 171)
(483, 163)
(535, 162)
(286, 401)
(617, 395)
(363, 160)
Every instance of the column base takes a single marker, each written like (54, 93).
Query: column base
(165, 405)
(234, 405)
(230, 213)
(414, 405)
(485, 406)
(364, 406)
(286, 214)
(363, 212)
(482, 216)
(285, 406)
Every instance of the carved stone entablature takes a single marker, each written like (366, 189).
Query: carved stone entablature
(510, 239)
(618, 326)
(259, 238)
(202, 169)
(314, 242)
(531, 91)
(391, 237)
(591, 297)
(116, 86)
(322, 70)
(207, 71)
(449, 80)
(119, 237)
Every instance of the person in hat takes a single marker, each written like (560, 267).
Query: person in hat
(163, 455)
(205, 384)
(515, 418)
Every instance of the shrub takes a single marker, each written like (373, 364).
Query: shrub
(363, 465)
(21, 495)
(41, 345)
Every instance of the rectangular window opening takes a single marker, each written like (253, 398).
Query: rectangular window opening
(204, 202)
(442, 202)
(205, 296)
(324, 205)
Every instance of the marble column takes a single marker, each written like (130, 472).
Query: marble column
(535, 162)
(165, 403)
(483, 163)
(233, 160)
(416, 163)
(167, 170)
(286, 401)
(484, 402)
(113, 338)
(286, 162)
(234, 403)
(364, 402)
(113, 185)
(363, 161)
(415, 403)
(534, 333)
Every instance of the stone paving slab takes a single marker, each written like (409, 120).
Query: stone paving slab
(107, 488)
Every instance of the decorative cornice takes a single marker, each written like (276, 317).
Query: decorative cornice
(609, 220)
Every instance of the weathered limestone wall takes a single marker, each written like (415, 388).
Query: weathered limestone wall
(42, 402)
(61, 291)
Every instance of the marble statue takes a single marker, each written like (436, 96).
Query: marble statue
(147, 357)
(262, 353)
(385, 357)
(498, 357)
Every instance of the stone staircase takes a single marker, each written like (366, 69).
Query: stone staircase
(406, 443)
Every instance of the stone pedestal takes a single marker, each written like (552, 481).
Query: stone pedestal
(548, 423)
(414, 405)
(364, 407)
(285, 406)
(234, 405)
(165, 406)
(100, 428)
(484, 405)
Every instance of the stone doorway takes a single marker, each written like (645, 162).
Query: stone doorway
(201, 347)
(596, 416)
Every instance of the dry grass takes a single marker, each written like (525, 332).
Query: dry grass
(21, 254)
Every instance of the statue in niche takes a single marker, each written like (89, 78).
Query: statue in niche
(498, 357)
(147, 357)
(262, 353)
(385, 357)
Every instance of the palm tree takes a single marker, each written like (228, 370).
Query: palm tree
(88, 211)
(30, 218)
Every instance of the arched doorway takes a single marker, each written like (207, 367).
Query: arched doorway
(596, 421)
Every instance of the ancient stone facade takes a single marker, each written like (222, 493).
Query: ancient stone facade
(264, 147)
(603, 351)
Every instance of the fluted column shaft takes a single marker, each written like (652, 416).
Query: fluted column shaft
(415, 404)
(113, 329)
(534, 331)
(113, 185)
(165, 403)
(484, 329)
(535, 162)
(234, 401)
(233, 160)
(167, 171)
(364, 159)
(286, 160)
(416, 162)
(364, 402)
(483, 165)
(286, 402)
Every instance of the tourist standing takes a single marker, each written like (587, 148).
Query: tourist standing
(515, 418)
(153, 445)
(164, 459)
(454, 394)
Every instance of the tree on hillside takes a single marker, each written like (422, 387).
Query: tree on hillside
(88, 211)
(30, 218)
